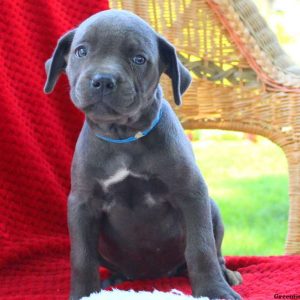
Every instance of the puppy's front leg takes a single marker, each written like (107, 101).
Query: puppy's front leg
(84, 225)
(201, 256)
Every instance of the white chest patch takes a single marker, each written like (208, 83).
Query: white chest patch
(119, 176)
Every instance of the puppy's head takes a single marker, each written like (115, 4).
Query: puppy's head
(113, 61)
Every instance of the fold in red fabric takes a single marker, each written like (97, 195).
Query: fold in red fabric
(37, 138)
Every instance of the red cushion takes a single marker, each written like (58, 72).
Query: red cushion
(37, 139)
(264, 278)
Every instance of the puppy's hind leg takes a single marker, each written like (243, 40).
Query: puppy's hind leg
(232, 277)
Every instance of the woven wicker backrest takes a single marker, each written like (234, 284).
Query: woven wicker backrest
(242, 79)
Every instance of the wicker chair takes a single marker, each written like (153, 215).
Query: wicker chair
(243, 80)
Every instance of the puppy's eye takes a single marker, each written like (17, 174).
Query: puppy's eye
(139, 59)
(80, 51)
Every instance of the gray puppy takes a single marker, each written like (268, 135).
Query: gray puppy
(138, 203)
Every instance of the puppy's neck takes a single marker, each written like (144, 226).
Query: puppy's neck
(131, 125)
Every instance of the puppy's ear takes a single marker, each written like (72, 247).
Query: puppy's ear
(56, 64)
(172, 66)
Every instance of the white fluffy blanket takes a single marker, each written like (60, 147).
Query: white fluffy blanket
(132, 295)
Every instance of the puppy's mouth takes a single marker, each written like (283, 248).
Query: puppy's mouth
(109, 108)
(94, 107)
(100, 112)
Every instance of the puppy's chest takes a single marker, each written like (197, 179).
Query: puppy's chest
(131, 190)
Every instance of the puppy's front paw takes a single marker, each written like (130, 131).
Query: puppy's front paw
(216, 292)
(233, 277)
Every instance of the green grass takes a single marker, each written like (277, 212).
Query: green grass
(249, 182)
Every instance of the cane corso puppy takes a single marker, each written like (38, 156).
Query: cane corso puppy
(138, 203)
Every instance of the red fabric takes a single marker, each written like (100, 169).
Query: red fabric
(37, 139)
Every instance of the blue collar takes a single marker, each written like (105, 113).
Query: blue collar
(137, 136)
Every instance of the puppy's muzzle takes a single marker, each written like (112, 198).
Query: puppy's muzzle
(104, 84)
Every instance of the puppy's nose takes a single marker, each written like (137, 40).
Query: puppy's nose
(104, 83)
